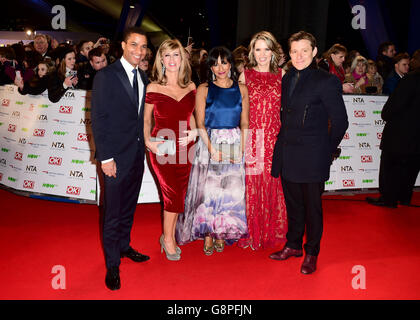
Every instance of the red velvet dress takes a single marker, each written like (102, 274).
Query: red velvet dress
(265, 205)
(172, 117)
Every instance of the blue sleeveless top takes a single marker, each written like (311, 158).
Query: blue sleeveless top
(223, 107)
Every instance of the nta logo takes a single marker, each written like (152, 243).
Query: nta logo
(86, 122)
(358, 100)
(76, 174)
(69, 94)
(364, 145)
(5, 102)
(346, 169)
(57, 145)
(30, 168)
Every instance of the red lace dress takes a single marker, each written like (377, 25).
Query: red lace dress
(265, 206)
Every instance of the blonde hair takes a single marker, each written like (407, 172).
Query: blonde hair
(184, 75)
(356, 61)
(272, 44)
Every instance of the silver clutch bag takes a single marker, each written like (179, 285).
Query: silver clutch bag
(229, 151)
(167, 147)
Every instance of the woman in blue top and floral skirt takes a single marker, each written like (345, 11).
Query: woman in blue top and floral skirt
(215, 201)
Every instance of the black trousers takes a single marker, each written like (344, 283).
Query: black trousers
(120, 201)
(304, 210)
(397, 176)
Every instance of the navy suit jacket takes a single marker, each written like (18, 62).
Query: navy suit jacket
(391, 83)
(305, 143)
(116, 122)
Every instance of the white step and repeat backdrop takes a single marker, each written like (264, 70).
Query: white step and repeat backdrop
(358, 165)
(47, 148)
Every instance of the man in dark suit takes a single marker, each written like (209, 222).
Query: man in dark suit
(311, 98)
(400, 144)
(117, 122)
(385, 59)
(400, 70)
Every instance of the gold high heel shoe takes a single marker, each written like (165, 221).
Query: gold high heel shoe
(219, 246)
(208, 250)
(172, 257)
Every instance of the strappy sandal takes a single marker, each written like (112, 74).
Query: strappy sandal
(208, 250)
(219, 246)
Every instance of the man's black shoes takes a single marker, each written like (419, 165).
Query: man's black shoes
(112, 279)
(380, 202)
(134, 255)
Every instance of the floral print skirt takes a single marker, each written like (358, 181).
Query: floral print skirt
(215, 200)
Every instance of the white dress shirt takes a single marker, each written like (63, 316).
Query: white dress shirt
(129, 70)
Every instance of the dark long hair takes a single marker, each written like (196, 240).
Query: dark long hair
(224, 54)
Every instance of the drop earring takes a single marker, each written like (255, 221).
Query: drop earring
(229, 74)
(163, 69)
(213, 76)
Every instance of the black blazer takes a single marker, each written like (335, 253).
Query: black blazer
(117, 124)
(304, 146)
(35, 86)
(55, 87)
(401, 112)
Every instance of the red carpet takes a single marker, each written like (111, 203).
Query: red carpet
(36, 235)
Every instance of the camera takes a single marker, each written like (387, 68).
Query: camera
(72, 73)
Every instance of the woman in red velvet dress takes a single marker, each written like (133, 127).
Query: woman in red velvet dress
(170, 100)
(266, 209)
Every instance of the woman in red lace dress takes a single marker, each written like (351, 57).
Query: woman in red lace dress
(265, 206)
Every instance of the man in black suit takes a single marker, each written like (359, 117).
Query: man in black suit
(385, 59)
(311, 98)
(117, 122)
(400, 144)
